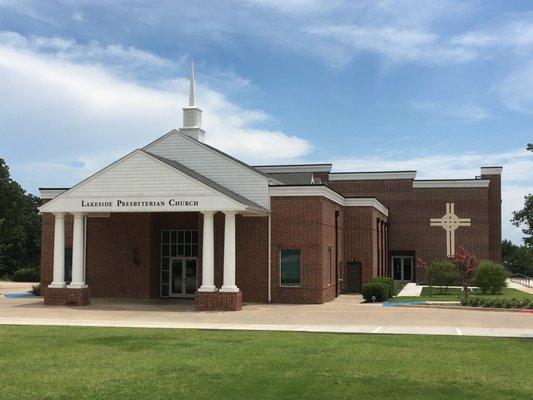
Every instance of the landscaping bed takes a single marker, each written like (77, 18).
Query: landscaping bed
(508, 298)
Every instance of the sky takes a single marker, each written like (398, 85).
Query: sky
(443, 87)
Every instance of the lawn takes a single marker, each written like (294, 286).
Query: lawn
(123, 363)
(454, 294)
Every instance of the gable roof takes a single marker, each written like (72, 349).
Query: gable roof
(206, 181)
(226, 155)
(171, 166)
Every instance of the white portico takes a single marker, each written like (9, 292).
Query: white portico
(177, 173)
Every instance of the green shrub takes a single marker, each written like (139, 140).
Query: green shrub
(497, 303)
(389, 282)
(490, 277)
(443, 273)
(36, 289)
(26, 275)
(378, 289)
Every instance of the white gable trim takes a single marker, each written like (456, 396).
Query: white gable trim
(50, 193)
(280, 169)
(491, 170)
(70, 201)
(461, 183)
(324, 191)
(365, 176)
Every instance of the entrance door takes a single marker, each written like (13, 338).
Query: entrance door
(183, 277)
(354, 277)
(402, 268)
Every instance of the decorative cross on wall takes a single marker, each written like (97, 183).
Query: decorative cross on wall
(450, 222)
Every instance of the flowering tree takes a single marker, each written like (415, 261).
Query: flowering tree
(423, 269)
(466, 265)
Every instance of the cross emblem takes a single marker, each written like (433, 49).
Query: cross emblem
(450, 222)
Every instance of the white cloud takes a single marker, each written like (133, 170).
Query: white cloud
(397, 44)
(516, 89)
(84, 112)
(517, 34)
(116, 57)
(517, 174)
(462, 112)
(78, 16)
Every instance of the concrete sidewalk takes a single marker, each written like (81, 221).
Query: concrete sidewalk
(518, 286)
(344, 315)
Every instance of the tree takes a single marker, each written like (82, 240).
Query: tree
(525, 217)
(517, 259)
(443, 273)
(466, 265)
(20, 225)
(490, 277)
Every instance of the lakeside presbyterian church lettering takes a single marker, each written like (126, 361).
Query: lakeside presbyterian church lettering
(141, 203)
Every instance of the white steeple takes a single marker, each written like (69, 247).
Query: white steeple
(191, 86)
(192, 115)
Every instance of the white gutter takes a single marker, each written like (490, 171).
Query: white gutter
(460, 183)
(324, 191)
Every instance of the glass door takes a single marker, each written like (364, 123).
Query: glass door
(190, 276)
(176, 277)
(183, 277)
(402, 268)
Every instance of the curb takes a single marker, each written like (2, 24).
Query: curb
(453, 307)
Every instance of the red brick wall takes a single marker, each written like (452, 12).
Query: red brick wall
(297, 223)
(329, 267)
(410, 211)
(110, 267)
(360, 240)
(495, 216)
(308, 224)
(252, 258)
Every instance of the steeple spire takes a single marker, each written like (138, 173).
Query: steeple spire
(192, 115)
(191, 87)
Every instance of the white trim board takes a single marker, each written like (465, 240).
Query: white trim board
(280, 169)
(323, 191)
(366, 176)
(491, 170)
(462, 183)
(51, 193)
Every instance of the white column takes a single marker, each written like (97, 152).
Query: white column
(78, 239)
(229, 253)
(59, 252)
(208, 254)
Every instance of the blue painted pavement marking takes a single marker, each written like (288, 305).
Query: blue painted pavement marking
(403, 303)
(19, 295)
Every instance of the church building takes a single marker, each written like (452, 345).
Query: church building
(180, 218)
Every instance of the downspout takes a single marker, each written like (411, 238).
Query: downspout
(269, 258)
(85, 248)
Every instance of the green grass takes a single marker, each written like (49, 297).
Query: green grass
(122, 363)
(454, 294)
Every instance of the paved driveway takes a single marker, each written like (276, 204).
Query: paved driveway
(345, 314)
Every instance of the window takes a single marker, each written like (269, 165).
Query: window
(330, 267)
(402, 268)
(290, 267)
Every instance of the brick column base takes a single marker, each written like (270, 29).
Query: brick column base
(218, 301)
(66, 297)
